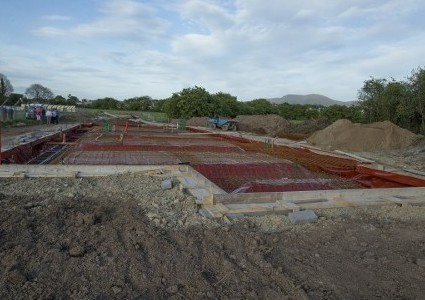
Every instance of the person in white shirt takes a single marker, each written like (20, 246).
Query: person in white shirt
(49, 116)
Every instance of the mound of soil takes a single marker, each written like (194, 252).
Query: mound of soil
(263, 124)
(123, 237)
(272, 125)
(301, 130)
(345, 135)
(308, 127)
(197, 121)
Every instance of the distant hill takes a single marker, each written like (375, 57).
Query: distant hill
(309, 99)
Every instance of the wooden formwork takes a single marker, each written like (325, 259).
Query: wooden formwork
(236, 205)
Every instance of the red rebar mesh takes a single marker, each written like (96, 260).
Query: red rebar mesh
(282, 186)
(267, 177)
(306, 157)
(232, 162)
(161, 141)
(171, 148)
(120, 158)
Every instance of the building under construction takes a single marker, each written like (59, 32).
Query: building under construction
(230, 174)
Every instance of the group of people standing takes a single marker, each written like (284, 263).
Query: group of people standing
(50, 115)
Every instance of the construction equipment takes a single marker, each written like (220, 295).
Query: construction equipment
(222, 123)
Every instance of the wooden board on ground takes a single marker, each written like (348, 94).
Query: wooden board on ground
(282, 203)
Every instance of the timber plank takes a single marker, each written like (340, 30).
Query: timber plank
(213, 212)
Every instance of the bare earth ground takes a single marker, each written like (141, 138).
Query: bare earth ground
(123, 237)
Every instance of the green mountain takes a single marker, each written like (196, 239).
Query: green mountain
(309, 99)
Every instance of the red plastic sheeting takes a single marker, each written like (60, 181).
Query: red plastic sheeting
(255, 177)
(385, 178)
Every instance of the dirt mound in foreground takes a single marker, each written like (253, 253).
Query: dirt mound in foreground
(345, 135)
(263, 124)
(123, 237)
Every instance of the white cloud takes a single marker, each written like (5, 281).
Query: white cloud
(48, 31)
(249, 48)
(123, 18)
(211, 16)
(56, 18)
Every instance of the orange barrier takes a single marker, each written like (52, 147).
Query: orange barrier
(400, 179)
(343, 167)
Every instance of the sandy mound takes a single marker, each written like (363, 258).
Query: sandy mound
(197, 121)
(345, 135)
(263, 124)
(309, 127)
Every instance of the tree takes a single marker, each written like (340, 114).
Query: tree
(262, 107)
(401, 102)
(72, 100)
(245, 109)
(394, 97)
(16, 99)
(39, 93)
(105, 103)
(417, 93)
(336, 112)
(295, 111)
(143, 103)
(157, 105)
(227, 105)
(190, 102)
(58, 100)
(372, 100)
(6, 89)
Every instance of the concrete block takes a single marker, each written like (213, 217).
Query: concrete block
(235, 216)
(166, 184)
(188, 182)
(302, 217)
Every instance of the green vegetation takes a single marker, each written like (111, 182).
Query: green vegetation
(39, 92)
(401, 102)
(6, 89)
(154, 116)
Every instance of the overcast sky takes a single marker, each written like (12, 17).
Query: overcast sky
(248, 48)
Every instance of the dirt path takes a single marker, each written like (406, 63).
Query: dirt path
(123, 237)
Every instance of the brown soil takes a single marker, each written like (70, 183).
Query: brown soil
(345, 135)
(198, 121)
(263, 124)
(122, 237)
(271, 125)
(308, 127)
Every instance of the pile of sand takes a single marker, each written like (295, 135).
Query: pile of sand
(197, 121)
(263, 124)
(345, 135)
